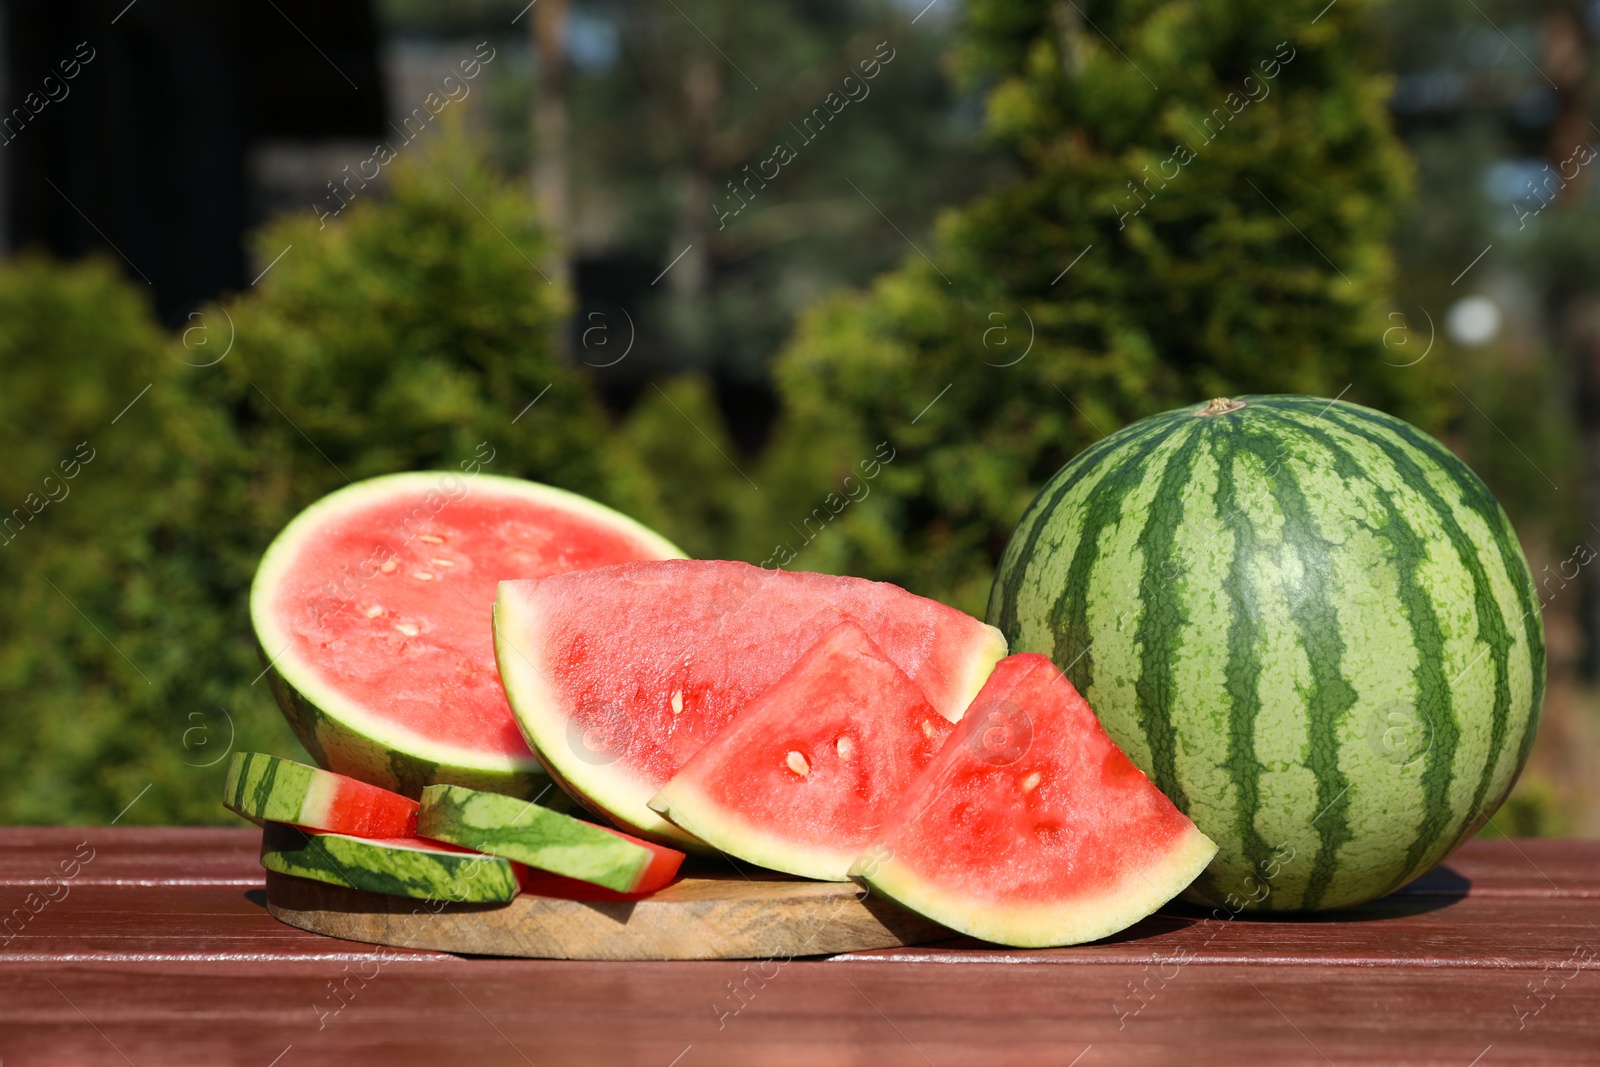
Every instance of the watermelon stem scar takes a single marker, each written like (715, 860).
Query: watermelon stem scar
(1219, 406)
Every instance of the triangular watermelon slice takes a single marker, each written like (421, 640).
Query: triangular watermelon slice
(1030, 827)
(373, 612)
(801, 780)
(618, 675)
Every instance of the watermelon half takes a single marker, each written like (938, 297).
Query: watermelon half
(1030, 827)
(619, 675)
(373, 612)
(802, 779)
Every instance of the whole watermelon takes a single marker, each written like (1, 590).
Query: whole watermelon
(1307, 621)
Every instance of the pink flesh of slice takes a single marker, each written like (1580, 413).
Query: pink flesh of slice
(861, 729)
(1030, 800)
(361, 810)
(650, 660)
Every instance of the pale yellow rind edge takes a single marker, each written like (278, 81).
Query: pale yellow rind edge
(537, 711)
(1138, 895)
(688, 807)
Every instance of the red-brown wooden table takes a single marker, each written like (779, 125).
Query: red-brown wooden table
(160, 951)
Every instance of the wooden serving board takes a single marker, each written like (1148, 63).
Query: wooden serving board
(702, 916)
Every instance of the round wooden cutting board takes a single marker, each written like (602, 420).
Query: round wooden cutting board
(702, 916)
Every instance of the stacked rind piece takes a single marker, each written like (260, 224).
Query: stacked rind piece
(458, 845)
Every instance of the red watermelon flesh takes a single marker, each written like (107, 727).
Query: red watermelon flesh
(374, 610)
(1030, 827)
(266, 788)
(544, 884)
(619, 675)
(801, 779)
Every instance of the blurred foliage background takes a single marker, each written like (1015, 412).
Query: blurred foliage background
(1034, 222)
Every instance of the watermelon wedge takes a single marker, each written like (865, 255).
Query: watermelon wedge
(619, 675)
(266, 788)
(1030, 827)
(549, 840)
(373, 612)
(801, 780)
(400, 867)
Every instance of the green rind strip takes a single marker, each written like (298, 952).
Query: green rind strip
(1330, 696)
(1242, 672)
(1475, 496)
(1012, 575)
(340, 749)
(1434, 694)
(267, 788)
(1069, 615)
(1425, 848)
(1161, 611)
(523, 831)
(420, 873)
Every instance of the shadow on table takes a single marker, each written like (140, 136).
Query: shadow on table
(1439, 888)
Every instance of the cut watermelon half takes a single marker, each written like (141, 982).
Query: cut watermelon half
(1030, 827)
(800, 781)
(619, 675)
(549, 840)
(373, 612)
(399, 867)
(266, 788)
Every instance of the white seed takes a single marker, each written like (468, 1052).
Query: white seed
(432, 539)
(388, 566)
(440, 561)
(1028, 783)
(845, 747)
(422, 576)
(928, 729)
(797, 763)
(374, 611)
(407, 629)
(677, 702)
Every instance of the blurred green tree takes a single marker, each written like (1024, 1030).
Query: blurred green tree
(1207, 192)
(663, 121)
(399, 335)
(97, 679)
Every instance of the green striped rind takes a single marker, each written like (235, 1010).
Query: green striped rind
(343, 750)
(1307, 621)
(342, 734)
(268, 788)
(416, 871)
(525, 832)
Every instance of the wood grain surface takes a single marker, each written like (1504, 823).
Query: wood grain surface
(704, 915)
(160, 951)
